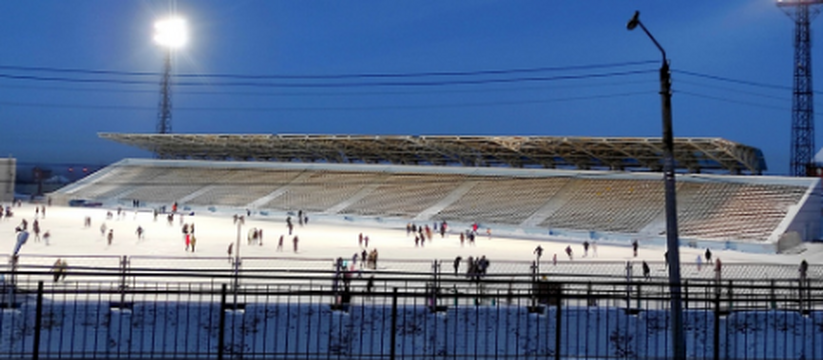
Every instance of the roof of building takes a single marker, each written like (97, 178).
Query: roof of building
(642, 154)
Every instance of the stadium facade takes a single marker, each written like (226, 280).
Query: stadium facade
(352, 179)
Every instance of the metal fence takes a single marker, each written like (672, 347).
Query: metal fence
(204, 313)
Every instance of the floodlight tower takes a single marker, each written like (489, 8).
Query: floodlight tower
(802, 12)
(171, 34)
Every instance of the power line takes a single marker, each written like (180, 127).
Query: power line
(337, 85)
(718, 98)
(736, 81)
(335, 76)
(336, 93)
(333, 108)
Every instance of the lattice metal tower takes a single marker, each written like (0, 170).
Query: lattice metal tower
(164, 108)
(802, 152)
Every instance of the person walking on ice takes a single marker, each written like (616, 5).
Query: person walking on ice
(110, 236)
(538, 251)
(231, 246)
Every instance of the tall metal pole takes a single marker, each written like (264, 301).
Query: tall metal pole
(672, 241)
(164, 110)
(802, 152)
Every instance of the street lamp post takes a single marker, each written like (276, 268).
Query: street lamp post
(672, 241)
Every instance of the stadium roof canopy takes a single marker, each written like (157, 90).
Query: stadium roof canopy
(639, 154)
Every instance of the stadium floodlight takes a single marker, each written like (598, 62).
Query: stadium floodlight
(171, 33)
(672, 238)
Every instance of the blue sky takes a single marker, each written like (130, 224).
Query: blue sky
(57, 121)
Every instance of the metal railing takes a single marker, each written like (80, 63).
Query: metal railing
(326, 314)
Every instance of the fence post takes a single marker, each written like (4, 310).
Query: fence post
(393, 342)
(558, 322)
(686, 294)
(38, 319)
(628, 284)
(221, 331)
(123, 270)
(716, 335)
(773, 298)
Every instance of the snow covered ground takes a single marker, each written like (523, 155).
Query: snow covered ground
(168, 328)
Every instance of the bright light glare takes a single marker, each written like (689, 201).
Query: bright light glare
(171, 32)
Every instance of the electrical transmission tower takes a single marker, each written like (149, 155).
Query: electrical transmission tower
(802, 12)
(164, 109)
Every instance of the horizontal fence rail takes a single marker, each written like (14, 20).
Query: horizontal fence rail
(115, 310)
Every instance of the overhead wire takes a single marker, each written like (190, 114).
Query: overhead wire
(328, 108)
(335, 85)
(334, 76)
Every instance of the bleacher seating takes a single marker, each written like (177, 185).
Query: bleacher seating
(118, 180)
(405, 195)
(722, 211)
(321, 190)
(708, 208)
(503, 200)
(609, 205)
(240, 187)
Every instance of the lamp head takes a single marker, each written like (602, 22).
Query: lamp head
(634, 21)
(171, 32)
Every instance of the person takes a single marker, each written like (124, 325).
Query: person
(585, 248)
(462, 239)
(231, 246)
(280, 243)
(188, 241)
(103, 229)
(457, 264)
(538, 251)
(370, 285)
(554, 259)
(193, 242)
(594, 248)
(646, 270)
(35, 227)
(294, 241)
(569, 252)
(360, 240)
(489, 233)
(46, 237)
(139, 232)
(804, 269)
(57, 269)
(259, 235)
(634, 247)
(110, 236)
(718, 267)
(699, 262)
(708, 256)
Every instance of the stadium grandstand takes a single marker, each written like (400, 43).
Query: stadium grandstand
(603, 189)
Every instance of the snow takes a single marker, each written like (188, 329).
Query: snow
(168, 327)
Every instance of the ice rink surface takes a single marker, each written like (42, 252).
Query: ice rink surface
(316, 240)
